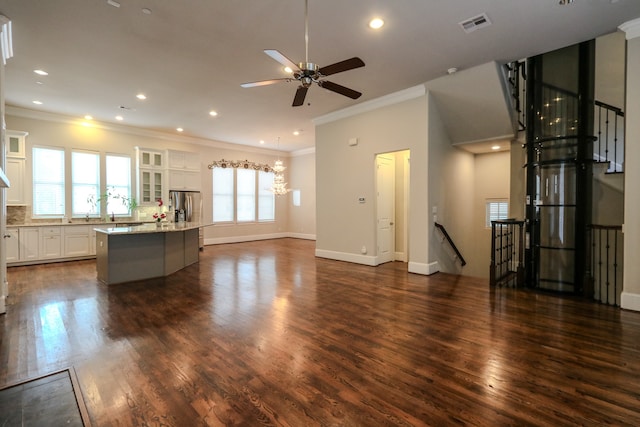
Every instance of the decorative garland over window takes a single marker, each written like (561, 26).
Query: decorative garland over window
(242, 164)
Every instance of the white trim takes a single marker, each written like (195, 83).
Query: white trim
(241, 239)
(303, 152)
(399, 256)
(302, 236)
(421, 268)
(3, 308)
(130, 130)
(344, 256)
(631, 29)
(508, 137)
(630, 301)
(255, 237)
(374, 104)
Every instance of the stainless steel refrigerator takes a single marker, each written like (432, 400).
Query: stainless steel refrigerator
(186, 206)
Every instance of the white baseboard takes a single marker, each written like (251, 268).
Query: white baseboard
(254, 237)
(343, 256)
(400, 256)
(630, 301)
(421, 268)
(302, 236)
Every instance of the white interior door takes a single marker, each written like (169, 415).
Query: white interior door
(385, 181)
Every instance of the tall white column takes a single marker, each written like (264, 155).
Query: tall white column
(631, 277)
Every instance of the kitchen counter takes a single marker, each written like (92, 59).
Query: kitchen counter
(125, 254)
(166, 227)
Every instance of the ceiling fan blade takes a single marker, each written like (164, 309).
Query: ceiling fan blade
(338, 67)
(265, 82)
(281, 59)
(301, 93)
(334, 87)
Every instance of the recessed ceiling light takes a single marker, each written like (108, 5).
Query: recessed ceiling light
(39, 83)
(376, 23)
(288, 70)
(41, 72)
(141, 96)
(113, 3)
(37, 102)
(495, 147)
(179, 129)
(262, 141)
(119, 118)
(296, 132)
(213, 113)
(88, 117)
(146, 11)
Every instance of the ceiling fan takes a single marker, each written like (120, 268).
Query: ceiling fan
(308, 72)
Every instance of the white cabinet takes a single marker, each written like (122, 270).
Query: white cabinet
(12, 239)
(14, 168)
(92, 241)
(29, 238)
(15, 142)
(183, 160)
(150, 169)
(50, 242)
(77, 241)
(150, 186)
(184, 180)
(183, 170)
(40, 244)
(150, 158)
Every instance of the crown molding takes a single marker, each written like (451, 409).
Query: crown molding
(631, 29)
(374, 104)
(26, 113)
(303, 152)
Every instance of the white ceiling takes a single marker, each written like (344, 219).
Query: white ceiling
(190, 56)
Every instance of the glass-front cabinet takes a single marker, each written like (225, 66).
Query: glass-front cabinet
(150, 186)
(150, 170)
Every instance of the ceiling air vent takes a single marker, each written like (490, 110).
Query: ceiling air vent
(475, 23)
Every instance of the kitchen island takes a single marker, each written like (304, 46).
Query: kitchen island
(125, 254)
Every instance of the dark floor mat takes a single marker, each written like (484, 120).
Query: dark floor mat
(51, 400)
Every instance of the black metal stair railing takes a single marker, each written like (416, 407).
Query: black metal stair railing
(609, 148)
(606, 262)
(507, 253)
(516, 78)
(451, 244)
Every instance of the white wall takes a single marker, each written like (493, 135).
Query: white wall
(65, 132)
(491, 181)
(345, 173)
(631, 294)
(450, 189)
(302, 177)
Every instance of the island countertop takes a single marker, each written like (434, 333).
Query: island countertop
(150, 228)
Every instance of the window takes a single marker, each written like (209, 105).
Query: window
(266, 201)
(48, 182)
(118, 180)
(245, 195)
(85, 182)
(242, 195)
(223, 206)
(497, 209)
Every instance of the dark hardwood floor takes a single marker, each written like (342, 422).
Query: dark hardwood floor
(264, 333)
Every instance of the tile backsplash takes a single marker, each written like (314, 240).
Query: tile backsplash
(16, 214)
